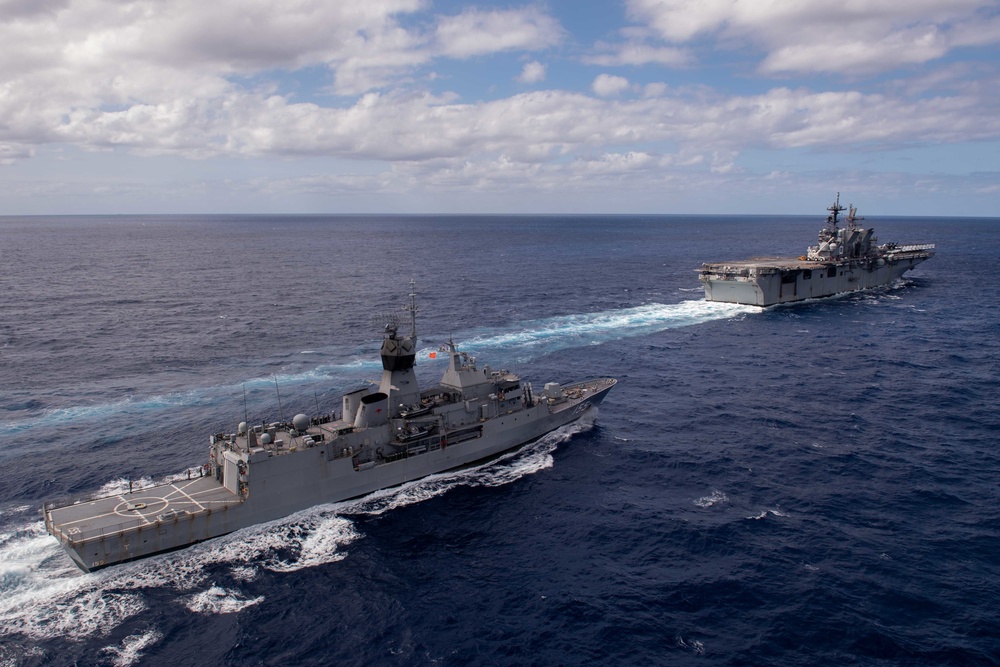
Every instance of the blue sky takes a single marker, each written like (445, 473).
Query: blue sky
(421, 106)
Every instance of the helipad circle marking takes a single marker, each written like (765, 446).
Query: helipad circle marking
(141, 506)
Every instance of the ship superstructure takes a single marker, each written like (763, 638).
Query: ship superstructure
(380, 438)
(845, 259)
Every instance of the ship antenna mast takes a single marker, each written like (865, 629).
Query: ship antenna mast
(852, 217)
(281, 411)
(413, 311)
(836, 209)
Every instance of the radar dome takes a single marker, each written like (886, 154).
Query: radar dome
(242, 428)
(300, 422)
(265, 438)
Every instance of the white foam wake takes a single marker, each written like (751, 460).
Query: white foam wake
(218, 600)
(131, 648)
(568, 331)
(712, 499)
(507, 468)
(519, 343)
(43, 595)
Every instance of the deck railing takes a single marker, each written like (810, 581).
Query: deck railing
(914, 248)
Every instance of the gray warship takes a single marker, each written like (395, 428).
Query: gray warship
(846, 259)
(381, 438)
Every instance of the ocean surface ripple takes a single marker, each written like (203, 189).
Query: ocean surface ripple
(801, 485)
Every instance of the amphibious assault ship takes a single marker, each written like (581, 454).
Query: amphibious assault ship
(845, 259)
(380, 439)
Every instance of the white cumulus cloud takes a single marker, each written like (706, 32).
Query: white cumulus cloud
(533, 72)
(476, 32)
(376, 88)
(608, 85)
(849, 36)
(637, 53)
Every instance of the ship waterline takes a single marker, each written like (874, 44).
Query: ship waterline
(846, 259)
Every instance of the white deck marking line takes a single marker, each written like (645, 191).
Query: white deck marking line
(216, 499)
(218, 488)
(181, 491)
(210, 490)
(137, 512)
(92, 517)
(101, 516)
(129, 522)
(189, 483)
(175, 491)
(215, 492)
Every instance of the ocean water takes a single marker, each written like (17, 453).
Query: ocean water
(806, 484)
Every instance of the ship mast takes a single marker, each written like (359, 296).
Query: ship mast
(836, 209)
(412, 307)
(852, 217)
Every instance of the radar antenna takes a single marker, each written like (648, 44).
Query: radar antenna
(388, 322)
(836, 209)
(852, 217)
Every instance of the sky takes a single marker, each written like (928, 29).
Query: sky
(439, 106)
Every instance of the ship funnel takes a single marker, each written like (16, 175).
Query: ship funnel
(351, 403)
(374, 410)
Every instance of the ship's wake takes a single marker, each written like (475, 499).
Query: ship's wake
(539, 337)
(519, 343)
(44, 596)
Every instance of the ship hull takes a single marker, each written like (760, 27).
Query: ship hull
(769, 282)
(167, 517)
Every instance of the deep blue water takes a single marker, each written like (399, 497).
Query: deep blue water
(808, 484)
